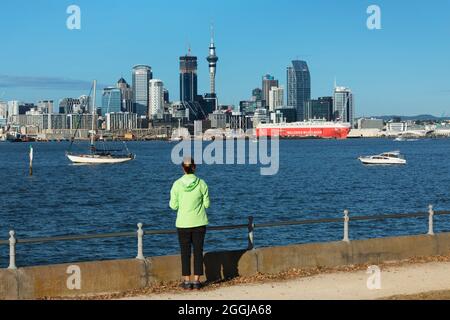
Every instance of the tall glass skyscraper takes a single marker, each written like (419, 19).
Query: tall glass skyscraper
(343, 105)
(111, 100)
(298, 87)
(188, 78)
(142, 74)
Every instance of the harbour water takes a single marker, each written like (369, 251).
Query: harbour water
(317, 179)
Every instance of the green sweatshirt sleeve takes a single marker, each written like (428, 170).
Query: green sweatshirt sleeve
(205, 191)
(174, 204)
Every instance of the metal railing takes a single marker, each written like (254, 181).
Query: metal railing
(250, 226)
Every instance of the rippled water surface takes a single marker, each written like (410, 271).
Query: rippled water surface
(317, 179)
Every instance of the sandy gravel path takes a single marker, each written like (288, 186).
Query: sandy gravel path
(410, 279)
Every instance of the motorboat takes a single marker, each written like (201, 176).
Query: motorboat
(387, 158)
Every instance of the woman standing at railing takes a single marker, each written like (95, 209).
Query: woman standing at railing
(189, 196)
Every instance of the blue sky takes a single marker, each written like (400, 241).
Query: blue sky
(402, 69)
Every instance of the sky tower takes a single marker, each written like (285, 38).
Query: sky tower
(212, 59)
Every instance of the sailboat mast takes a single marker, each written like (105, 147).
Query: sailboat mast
(93, 115)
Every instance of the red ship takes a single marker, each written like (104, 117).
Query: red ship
(307, 129)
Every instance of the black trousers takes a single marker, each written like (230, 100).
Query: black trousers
(192, 237)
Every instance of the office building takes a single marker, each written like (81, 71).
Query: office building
(276, 98)
(298, 86)
(111, 100)
(289, 114)
(343, 105)
(69, 105)
(268, 82)
(321, 108)
(142, 74)
(45, 106)
(126, 93)
(188, 78)
(3, 110)
(257, 94)
(156, 99)
(13, 108)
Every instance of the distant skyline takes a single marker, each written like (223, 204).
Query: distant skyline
(401, 69)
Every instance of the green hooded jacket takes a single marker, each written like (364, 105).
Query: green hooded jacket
(189, 195)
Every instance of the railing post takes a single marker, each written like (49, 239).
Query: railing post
(430, 220)
(251, 228)
(12, 250)
(140, 236)
(346, 221)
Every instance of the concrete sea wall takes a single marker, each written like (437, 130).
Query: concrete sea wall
(68, 280)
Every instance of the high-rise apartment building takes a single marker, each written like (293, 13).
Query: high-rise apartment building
(156, 99)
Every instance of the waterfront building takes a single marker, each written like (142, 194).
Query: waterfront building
(260, 116)
(40, 121)
(321, 108)
(142, 74)
(13, 108)
(343, 105)
(126, 95)
(25, 107)
(298, 86)
(3, 110)
(289, 113)
(80, 121)
(371, 123)
(276, 98)
(111, 100)
(397, 126)
(188, 78)
(121, 121)
(268, 82)
(57, 121)
(218, 120)
(45, 106)
(85, 104)
(156, 99)
(69, 105)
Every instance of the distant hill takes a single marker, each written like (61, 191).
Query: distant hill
(420, 117)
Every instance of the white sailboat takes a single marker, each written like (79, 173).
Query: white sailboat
(96, 156)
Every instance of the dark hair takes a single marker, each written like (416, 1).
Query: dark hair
(188, 165)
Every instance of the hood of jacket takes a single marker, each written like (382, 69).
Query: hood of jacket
(189, 182)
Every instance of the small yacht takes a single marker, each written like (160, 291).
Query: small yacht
(387, 158)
